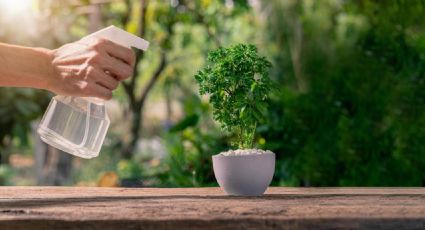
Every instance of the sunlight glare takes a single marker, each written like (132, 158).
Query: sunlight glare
(15, 6)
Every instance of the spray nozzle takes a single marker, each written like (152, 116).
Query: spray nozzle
(121, 37)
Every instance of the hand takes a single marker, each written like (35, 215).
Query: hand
(90, 68)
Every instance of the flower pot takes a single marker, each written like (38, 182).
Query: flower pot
(244, 175)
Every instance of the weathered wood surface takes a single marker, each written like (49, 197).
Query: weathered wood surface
(209, 208)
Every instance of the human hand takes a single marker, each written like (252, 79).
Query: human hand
(89, 68)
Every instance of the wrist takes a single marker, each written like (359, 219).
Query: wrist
(47, 68)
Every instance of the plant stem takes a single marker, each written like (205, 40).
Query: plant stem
(246, 136)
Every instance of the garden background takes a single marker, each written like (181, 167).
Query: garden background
(349, 109)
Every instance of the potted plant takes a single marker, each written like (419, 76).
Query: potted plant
(237, 82)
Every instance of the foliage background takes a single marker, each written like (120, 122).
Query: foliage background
(350, 109)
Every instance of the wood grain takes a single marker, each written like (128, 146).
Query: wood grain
(210, 208)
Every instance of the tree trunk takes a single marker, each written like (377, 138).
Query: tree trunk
(295, 45)
(52, 166)
(137, 108)
(136, 123)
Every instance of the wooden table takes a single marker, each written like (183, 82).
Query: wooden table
(209, 208)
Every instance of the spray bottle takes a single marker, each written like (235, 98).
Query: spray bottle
(78, 125)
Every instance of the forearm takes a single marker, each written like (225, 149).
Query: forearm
(91, 68)
(24, 67)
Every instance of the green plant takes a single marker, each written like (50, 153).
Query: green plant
(238, 83)
(6, 173)
(190, 144)
(128, 169)
(351, 106)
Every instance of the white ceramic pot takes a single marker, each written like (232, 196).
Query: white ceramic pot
(244, 175)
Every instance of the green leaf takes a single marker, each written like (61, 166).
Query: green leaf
(21, 133)
(253, 86)
(241, 112)
(187, 122)
(22, 108)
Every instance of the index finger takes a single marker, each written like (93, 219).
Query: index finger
(121, 52)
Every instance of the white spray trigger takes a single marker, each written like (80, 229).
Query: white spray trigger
(121, 37)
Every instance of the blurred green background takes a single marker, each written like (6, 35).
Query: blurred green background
(350, 109)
